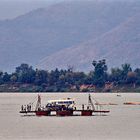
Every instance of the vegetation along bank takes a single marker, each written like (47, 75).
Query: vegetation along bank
(27, 79)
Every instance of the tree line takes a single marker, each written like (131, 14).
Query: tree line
(68, 80)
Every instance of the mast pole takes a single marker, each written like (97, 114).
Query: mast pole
(90, 103)
(38, 105)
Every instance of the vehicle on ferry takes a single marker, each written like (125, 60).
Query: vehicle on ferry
(61, 104)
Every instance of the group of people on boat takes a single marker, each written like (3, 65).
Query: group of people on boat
(27, 107)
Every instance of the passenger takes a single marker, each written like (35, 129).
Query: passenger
(25, 108)
(82, 106)
(22, 108)
(39, 109)
(30, 107)
(64, 107)
(67, 108)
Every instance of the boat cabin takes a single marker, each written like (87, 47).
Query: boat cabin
(61, 102)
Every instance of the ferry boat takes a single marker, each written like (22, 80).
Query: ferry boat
(62, 107)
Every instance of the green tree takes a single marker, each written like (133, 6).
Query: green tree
(1, 77)
(54, 77)
(41, 77)
(125, 69)
(116, 74)
(13, 78)
(25, 73)
(131, 77)
(137, 71)
(100, 72)
(89, 79)
(6, 77)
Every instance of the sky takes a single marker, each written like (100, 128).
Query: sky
(12, 8)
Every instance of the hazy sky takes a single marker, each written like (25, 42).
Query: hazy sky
(12, 8)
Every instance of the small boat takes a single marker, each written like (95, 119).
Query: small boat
(119, 95)
(106, 104)
(131, 103)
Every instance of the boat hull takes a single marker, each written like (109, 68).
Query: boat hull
(43, 113)
(64, 113)
(86, 113)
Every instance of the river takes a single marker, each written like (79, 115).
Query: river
(122, 123)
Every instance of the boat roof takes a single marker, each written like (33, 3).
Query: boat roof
(61, 100)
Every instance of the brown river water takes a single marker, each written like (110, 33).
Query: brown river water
(122, 123)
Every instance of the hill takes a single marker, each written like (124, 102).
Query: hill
(118, 46)
(67, 31)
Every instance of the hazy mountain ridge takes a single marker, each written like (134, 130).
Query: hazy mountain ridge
(118, 46)
(43, 33)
